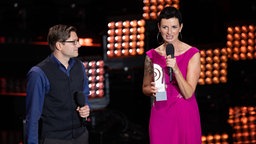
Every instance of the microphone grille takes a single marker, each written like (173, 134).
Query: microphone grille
(80, 98)
(170, 50)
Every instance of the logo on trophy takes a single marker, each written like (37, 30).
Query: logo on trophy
(159, 83)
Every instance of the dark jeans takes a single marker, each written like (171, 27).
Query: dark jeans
(83, 139)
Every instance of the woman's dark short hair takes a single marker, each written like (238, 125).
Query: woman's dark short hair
(169, 12)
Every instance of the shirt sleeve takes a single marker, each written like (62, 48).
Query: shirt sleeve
(37, 84)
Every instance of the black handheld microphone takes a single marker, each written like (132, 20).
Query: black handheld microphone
(170, 51)
(80, 100)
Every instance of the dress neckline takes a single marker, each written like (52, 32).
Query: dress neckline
(176, 55)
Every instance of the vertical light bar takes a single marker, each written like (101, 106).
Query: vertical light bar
(95, 73)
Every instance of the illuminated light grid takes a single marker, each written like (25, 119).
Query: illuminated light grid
(95, 73)
(151, 8)
(213, 66)
(125, 38)
(240, 45)
(215, 139)
(243, 121)
(241, 42)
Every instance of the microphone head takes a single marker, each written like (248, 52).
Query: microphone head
(79, 98)
(170, 50)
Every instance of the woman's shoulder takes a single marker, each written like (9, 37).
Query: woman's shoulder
(153, 50)
(187, 50)
(190, 47)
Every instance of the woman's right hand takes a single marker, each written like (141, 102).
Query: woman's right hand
(153, 89)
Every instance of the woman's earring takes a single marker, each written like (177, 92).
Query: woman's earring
(180, 36)
(157, 38)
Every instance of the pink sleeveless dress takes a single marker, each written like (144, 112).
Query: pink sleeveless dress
(176, 120)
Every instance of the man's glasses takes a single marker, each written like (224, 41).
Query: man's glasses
(74, 42)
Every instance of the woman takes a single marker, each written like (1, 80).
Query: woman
(175, 120)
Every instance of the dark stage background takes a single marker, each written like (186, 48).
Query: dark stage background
(125, 119)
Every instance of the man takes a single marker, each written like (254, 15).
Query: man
(53, 114)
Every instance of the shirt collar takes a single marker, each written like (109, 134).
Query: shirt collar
(55, 60)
